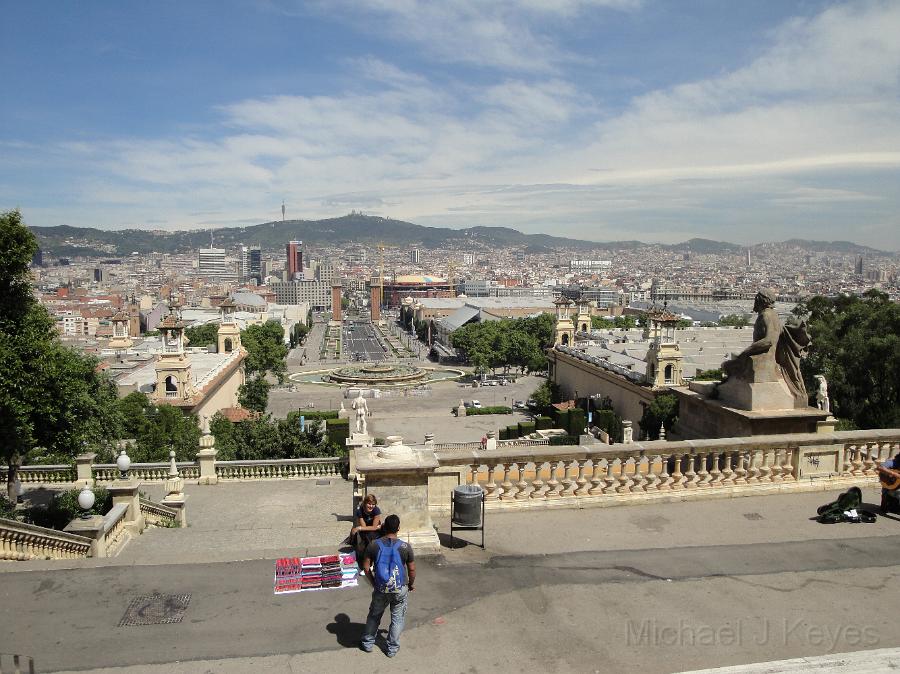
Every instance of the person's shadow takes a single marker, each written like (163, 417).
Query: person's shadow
(348, 634)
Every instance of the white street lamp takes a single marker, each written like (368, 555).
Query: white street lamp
(86, 500)
(123, 463)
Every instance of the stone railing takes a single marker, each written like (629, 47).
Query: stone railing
(115, 535)
(21, 542)
(145, 472)
(158, 515)
(280, 469)
(476, 446)
(660, 470)
(41, 474)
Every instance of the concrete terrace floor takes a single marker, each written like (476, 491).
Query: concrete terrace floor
(598, 589)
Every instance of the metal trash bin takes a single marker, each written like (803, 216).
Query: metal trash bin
(467, 500)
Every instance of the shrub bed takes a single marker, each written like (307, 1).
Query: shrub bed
(496, 409)
(564, 440)
(318, 415)
(542, 423)
(526, 428)
(64, 508)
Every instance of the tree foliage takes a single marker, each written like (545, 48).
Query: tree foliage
(734, 321)
(298, 334)
(157, 430)
(254, 394)
(856, 346)
(53, 402)
(663, 411)
(266, 350)
(266, 438)
(506, 343)
(202, 335)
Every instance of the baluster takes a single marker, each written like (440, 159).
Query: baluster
(787, 467)
(522, 484)
(474, 478)
(765, 467)
(537, 484)
(665, 480)
(776, 469)
(753, 467)
(690, 475)
(553, 483)
(581, 481)
(652, 479)
(702, 479)
(715, 474)
(491, 486)
(856, 460)
(870, 463)
(568, 482)
(638, 478)
(740, 473)
(677, 475)
(596, 478)
(611, 481)
(624, 479)
(507, 494)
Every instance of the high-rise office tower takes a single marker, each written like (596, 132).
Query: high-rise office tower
(255, 264)
(294, 266)
(414, 256)
(211, 262)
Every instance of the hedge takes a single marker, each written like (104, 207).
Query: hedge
(576, 422)
(512, 432)
(543, 423)
(496, 409)
(564, 440)
(313, 415)
(503, 435)
(338, 431)
(526, 428)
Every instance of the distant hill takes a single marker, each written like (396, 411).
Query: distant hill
(69, 241)
(354, 227)
(832, 246)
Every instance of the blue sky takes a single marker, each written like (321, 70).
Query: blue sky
(597, 119)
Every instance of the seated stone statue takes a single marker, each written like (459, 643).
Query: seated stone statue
(757, 363)
(773, 357)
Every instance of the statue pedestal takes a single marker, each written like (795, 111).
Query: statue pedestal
(400, 481)
(702, 417)
(756, 396)
(357, 441)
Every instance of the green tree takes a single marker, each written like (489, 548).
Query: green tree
(202, 335)
(166, 428)
(254, 394)
(298, 334)
(663, 411)
(734, 321)
(266, 350)
(53, 402)
(856, 346)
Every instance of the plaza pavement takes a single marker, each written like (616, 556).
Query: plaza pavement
(651, 588)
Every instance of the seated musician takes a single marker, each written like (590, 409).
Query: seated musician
(889, 475)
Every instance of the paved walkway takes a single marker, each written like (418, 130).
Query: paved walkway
(732, 581)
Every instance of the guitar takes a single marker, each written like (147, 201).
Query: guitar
(890, 479)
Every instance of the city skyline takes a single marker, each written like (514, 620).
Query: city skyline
(601, 121)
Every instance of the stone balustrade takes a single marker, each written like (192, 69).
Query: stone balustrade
(21, 542)
(659, 470)
(115, 534)
(49, 474)
(280, 469)
(158, 515)
(145, 472)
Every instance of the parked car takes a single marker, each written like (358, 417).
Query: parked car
(476, 404)
(519, 404)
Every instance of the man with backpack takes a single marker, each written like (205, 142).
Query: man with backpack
(389, 565)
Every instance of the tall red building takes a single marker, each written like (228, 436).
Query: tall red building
(294, 259)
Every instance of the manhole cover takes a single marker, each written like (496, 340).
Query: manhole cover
(156, 609)
(323, 482)
(753, 516)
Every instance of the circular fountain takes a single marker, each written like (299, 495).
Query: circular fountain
(375, 374)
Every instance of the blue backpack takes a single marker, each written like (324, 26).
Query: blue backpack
(390, 571)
